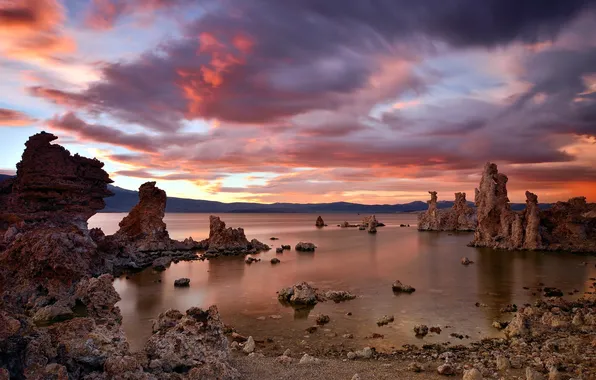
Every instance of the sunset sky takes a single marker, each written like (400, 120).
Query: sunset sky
(308, 100)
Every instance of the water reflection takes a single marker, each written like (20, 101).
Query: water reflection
(347, 259)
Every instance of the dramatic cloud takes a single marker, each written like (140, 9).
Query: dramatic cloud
(274, 100)
(33, 28)
(12, 118)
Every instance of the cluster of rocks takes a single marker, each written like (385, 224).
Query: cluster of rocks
(568, 226)
(304, 294)
(460, 217)
(369, 223)
(229, 241)
(58, 317)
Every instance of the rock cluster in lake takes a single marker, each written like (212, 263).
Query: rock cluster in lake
(568, 226)
(229, 241)
(460, 217)
(58, 317)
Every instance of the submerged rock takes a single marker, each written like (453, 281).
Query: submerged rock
(398, 287)
(182, 282)
(385, 320)
(466, 261)
(338, 295)
(322, 319)
(305, 247)
(275, 260)
(421, 330)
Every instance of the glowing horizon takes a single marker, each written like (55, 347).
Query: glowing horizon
(374, 104)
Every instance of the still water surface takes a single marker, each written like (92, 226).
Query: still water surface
(346, 259)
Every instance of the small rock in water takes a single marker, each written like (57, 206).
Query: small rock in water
(338, 296)
(249, 346)
(307, 359)
(250, 260)
(435, 329)
(385, 320)
(553, 292)
(182, 282)
(279, 250)
(398, 287)
(286, 246)
(472, 374)
(421, 330)
(305, 247)
(466, 261)
(445, 369)
(273, 238)
(275, 260)
(322, 319)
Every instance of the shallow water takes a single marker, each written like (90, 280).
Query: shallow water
(347, 259)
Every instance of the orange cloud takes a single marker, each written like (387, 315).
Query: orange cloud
(33, 28)
(11, 118)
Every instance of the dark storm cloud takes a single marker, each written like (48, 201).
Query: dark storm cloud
(258, 61)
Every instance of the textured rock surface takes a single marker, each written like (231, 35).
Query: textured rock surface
(460, 217)
(566, 226)
(52, 268)
(230, 241)
(145, 220)
(190, 342)
(52, 184)
(320, 222)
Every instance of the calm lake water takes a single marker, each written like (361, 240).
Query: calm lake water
(346, 259)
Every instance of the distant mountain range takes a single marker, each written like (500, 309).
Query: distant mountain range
(124, 200)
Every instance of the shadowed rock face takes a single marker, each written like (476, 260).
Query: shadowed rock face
(569, 226)
(460, 217)
(52, 268)
(145, 220)
(52, 184)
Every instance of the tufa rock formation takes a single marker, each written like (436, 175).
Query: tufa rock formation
(460, 217)
(229, 241)
(145, 220)
(568, 226)
(320, 222)
(51, 184)
(58, 318)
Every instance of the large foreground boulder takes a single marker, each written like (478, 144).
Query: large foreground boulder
(192, 343)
